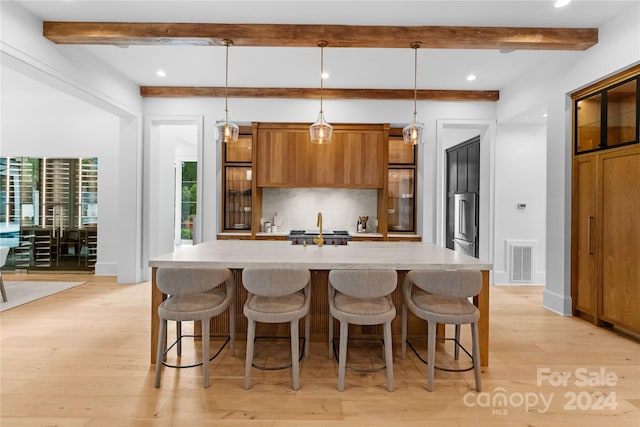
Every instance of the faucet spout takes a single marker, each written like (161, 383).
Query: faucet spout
(319, 240)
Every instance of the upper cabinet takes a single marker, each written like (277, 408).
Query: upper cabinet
(607, 116)
(401, 187)
(237, 183)
(285, 157)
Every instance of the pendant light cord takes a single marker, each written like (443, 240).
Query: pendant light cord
(415, 46)
(321, 44)
(226, 81)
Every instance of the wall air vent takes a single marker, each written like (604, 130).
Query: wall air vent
(520, 262)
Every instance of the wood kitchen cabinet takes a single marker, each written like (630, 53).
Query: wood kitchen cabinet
(286, 158)
(605, 244)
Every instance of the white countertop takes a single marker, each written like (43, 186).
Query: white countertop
(279, 254)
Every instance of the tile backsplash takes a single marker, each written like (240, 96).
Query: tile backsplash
(298, 208)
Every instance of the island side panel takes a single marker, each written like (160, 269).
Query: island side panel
(482, 302)
(156, 299)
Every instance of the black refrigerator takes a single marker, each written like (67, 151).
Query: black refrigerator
(465, 224)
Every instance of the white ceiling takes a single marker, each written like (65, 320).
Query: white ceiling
(349, 68)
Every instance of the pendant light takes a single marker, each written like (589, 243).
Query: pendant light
(321, 131)
(228, 131)
(412, 134)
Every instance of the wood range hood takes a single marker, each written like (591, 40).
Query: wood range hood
(339, 36)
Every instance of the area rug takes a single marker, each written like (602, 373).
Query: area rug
(19, 293)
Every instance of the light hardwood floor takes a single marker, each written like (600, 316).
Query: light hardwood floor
(80, 358)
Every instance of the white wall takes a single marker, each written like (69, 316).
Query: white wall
(520, 178)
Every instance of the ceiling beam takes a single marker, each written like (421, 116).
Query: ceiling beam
(290, 35)
(310, 93)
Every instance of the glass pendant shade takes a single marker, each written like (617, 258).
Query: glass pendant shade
(412, 134)
(321, 131)
(227, 130)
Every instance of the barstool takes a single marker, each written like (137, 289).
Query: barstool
(442, 297)
(277, 295)
(194, 294)
(361, 297)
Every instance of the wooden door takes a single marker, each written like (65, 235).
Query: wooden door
(620, 242)
(584, 243)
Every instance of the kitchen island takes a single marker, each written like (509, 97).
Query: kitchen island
(400, 256)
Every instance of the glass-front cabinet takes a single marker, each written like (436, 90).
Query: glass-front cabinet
(401, 205)
(607, 118)
(237, 184)
(237, 203)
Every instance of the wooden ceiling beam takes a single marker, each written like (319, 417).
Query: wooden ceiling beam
(290, 35)
(310, 93)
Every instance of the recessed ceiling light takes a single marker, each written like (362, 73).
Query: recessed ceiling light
(471, 77)
(161, 73)
(325, 75)
(545, 115)
(562, 3)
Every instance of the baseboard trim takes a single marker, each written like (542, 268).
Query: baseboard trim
(559, 304)
(106, 269)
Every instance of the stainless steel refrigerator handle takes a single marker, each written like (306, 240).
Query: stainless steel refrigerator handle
(589, 226)
(460, 215)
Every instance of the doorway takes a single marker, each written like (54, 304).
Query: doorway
(463, 196)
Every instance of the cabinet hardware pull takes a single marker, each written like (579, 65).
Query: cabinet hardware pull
(589, 226)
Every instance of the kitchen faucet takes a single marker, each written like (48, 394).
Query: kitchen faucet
(319, 240)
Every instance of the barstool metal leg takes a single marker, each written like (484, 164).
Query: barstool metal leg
(456, 351)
